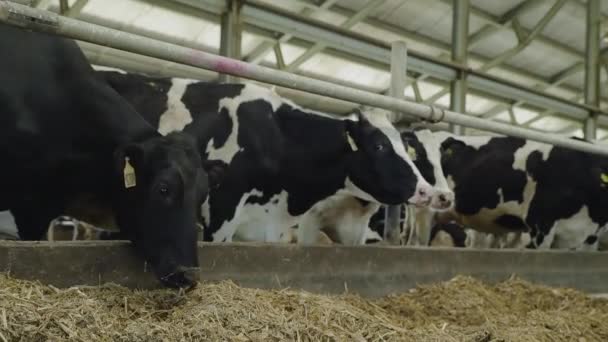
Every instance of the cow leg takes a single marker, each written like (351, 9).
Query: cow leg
(480, 240)
(542, 236)
(309, 228)
(33, 219)
(422, 227)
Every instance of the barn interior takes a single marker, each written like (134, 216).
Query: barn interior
(533, 68)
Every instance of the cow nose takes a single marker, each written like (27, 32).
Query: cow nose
(424, 193)
(184, 278)
(445, 199)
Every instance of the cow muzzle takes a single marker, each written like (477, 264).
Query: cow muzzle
(183, 278)
(442, 200)
(423, 195)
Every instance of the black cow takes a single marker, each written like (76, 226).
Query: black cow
(282, 158)
(64, 132)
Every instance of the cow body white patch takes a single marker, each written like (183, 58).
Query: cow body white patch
(521, 155)
(267, 222)
(342, 217)
(177, 116)
(8, 226)
(570, 233)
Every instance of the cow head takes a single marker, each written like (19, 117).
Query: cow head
(425, 150)
(379, 169)
(162, 184)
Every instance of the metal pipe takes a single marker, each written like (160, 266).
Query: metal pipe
(45, 21)
(592, 66)
(63, 6)
(271, 18)
(460, 35)
(392, 227)
(267, 17)
(230, 36)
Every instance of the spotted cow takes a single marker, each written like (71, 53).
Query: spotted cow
(281, 158)
(345, 219)
(506, 185)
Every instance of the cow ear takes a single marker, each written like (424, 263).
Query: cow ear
(451, 146)
(128, 159)
(360, 115)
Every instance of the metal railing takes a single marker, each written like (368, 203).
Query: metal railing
(45, 21)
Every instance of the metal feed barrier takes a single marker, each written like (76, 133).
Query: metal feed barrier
(321, 269)
(45, 21)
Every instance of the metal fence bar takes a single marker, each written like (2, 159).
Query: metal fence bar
(392, 225)
(460, 35)
(230, 36)
(45, 21)
(592, 67)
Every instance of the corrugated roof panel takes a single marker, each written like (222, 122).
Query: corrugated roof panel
(551, 123)
(542, 60)
(503, 116)
(290, 53)
(478, 105)
(249, 42)
(427, 89)
(496, 43)
(522, 115)
(444, 101)
(567, 27)
(380, 34)
(122, 11)
(346, 70)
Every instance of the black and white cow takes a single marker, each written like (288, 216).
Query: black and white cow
(509, 185)
(346, 219)
(282, 159)
(64, 132)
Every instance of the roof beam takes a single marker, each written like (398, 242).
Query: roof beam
(446, 47)
(76, 8)
(509, 17)
(529, 38)
(349, 23)
(259, 52)
(495, 21)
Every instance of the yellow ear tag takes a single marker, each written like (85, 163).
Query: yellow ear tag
(448, 152)
(412, 152)
(129, 174)
(604, 177)
(351, 142)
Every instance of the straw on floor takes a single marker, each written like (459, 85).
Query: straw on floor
(463, 309)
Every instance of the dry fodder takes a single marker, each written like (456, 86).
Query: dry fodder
(463, 309)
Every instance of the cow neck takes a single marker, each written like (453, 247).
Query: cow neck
(111, 117)
(316, 156)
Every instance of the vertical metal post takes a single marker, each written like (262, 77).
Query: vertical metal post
(460, 33)
(592, 67)
(230, 35)
(63, 6)
(392, 228)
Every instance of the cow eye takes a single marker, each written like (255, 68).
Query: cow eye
(164, 190)
(380, 147)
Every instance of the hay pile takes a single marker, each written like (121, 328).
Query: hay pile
(463, 309)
